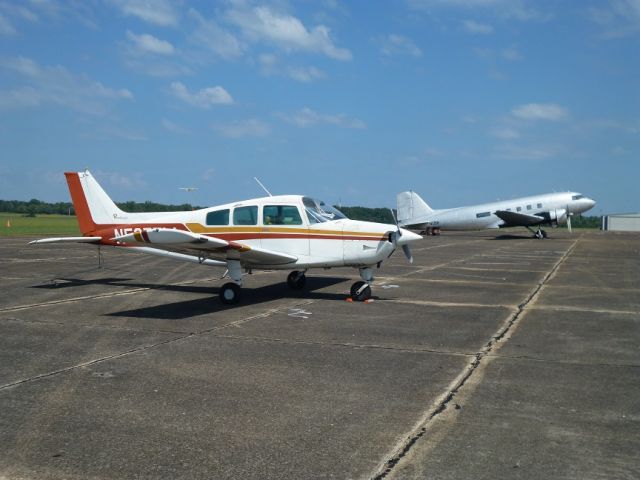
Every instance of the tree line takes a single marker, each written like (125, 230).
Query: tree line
(382, 215)
(38, 207)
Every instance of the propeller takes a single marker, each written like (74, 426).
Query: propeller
(394, 236)
(569, 219)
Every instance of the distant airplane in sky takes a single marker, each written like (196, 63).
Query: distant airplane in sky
(284, 232)
(536, 211)
(188, 189)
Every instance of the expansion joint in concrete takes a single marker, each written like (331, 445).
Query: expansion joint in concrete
(403, 448)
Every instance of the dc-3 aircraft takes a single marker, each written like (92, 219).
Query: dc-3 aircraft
(289, 232)
(535, 211)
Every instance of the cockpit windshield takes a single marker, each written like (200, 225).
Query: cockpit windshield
(320, 212)
(577, 197)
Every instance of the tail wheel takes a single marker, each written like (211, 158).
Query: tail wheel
(360, 291)
(230, 293)
(296, 280)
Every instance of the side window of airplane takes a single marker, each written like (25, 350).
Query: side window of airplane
(281, 215)
(245, 215)
(483, 214)
(519, 209)
(528, 207)
(539, 205)
(219, 217)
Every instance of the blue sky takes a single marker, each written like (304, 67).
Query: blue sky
(463, 101)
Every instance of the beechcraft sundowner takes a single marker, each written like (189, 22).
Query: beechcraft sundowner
(288, 232)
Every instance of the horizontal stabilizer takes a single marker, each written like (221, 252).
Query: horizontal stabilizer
(68, 239)
(514, 219)
(171, 236)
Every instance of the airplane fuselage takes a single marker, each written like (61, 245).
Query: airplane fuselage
(482, 216)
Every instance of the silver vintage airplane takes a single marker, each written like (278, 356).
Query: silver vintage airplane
(536, 211)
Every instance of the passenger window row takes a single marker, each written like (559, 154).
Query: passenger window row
(271, 215)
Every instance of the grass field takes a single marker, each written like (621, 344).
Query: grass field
(14, 224)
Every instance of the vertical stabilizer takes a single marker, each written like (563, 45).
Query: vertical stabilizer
(411, 207)
(93, 206)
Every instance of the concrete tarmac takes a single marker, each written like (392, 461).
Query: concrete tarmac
(488, 357)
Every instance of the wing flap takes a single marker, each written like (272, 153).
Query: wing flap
(515, 219)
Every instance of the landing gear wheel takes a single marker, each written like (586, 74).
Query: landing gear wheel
(230, 293)
(544, 233)
(296, 280)
(360, 294)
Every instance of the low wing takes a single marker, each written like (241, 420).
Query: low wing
(182, 240)
(68, 240)
(514, 219)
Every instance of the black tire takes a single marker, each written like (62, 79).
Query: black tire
(544, 233)
(296, 280)
(365, 294)
(230, 293)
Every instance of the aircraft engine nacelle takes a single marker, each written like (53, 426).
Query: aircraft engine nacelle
(558, 216)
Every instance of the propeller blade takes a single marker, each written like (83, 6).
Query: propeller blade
(407, 252)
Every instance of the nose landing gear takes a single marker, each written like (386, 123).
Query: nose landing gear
(361, 290)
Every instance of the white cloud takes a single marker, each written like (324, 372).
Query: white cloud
(173, 127)
(511, 53)
(156, 12)
(517, 9)
(241, 129)
(116, 179)
(394, 44)
(205, 98)
(308, 118)
(56, 85)
(506, 133)
(620, 18)
(270, 65)
(531, 152)
(474, 27)
(285, 31)
(210, 36)
(146, 43)
(6, 28)
(541, 111)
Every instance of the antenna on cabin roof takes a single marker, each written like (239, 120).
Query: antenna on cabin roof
(263, 187)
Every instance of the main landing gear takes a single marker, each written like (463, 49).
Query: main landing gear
(297, 280)
(361, 290)
(539, 234)
(230, 292)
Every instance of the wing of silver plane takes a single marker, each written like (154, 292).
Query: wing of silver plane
(515, 219)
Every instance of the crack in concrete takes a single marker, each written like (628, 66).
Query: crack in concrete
(362, 346)
(154, 345)
(404, 446)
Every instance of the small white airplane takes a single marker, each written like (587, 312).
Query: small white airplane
(289, 232)
(535, 211)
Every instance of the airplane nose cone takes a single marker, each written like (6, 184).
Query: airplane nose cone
(591, 203)
(408, 237)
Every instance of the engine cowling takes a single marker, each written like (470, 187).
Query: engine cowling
(558, 216)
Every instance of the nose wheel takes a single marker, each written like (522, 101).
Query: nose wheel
(360, 291)
(296, 280)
